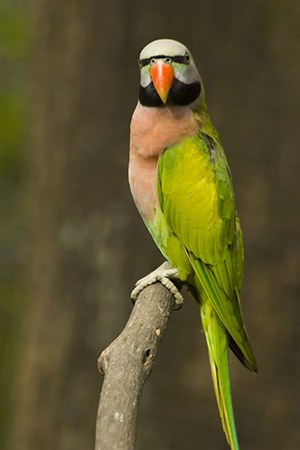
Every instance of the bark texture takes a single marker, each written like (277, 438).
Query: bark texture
(126, 364)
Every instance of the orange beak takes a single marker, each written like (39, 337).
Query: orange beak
(162, 75)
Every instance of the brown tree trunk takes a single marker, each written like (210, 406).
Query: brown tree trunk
(79, 222)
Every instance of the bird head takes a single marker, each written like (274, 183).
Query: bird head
(168, 75)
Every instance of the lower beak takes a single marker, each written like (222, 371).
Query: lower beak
(162, 75)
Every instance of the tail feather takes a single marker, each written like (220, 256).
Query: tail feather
(217, 343)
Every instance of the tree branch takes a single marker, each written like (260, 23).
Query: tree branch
(126, 363)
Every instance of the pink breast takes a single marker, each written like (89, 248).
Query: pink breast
(153, 130)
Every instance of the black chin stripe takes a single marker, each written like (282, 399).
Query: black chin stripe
(180, 94)
(148, 96)
(184, 94)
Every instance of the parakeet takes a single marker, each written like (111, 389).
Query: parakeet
(181, 184)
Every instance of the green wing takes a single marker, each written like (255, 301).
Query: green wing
(197, 200)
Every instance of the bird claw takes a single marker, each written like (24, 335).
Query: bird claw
(164, 276)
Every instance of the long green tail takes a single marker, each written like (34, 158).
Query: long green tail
(217, 343)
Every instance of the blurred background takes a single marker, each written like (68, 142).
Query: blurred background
(72, 243)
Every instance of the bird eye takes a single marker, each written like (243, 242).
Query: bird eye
(187, 58)
(168, 60)
(152, 61)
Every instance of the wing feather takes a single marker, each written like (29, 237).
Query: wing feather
(197, 200)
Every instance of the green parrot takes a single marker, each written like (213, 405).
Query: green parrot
(181, 184)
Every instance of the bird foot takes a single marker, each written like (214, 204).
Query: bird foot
(164, 276)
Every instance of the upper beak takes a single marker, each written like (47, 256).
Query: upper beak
(162, 75)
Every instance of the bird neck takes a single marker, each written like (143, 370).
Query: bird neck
(207, 126)
(155, 129)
